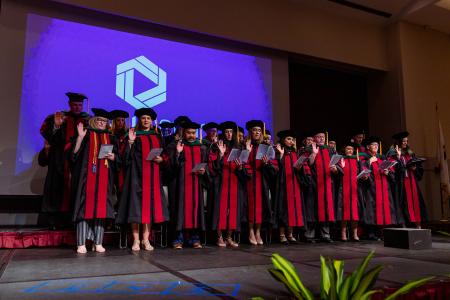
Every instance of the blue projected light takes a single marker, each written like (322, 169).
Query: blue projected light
(121, 70)
(125, 82)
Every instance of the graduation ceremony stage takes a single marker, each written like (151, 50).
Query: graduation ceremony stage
(209, 273)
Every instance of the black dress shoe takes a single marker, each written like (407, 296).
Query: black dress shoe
(293, 241)
(311, 241)
(327, 240)
(285, 242)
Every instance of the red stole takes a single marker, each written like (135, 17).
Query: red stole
(412, 195)
(192, 157)
(382, 205)
(228, 195)
(151, 184)
(294, 206)
(97, 178)
(350, 190)
(324, 189)
(254, 188)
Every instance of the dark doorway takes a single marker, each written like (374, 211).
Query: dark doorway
(321, 97)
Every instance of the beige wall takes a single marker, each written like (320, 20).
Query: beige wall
(278, 24)
(425, 61)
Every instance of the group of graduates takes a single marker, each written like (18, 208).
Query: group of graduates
(99, 169)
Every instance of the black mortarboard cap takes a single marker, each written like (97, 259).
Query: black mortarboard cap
(100, 112)
(117, 113)
(75, 97)
(145, 111)
(372, 139)
(166, 125)
(210, 125)
(180, 120)
(227, 125)
(285, 133)
(190, 125)
(401, 135)
(254, 123)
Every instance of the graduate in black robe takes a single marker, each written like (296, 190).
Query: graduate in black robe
(143, 200)
(289, 204)
(323, 197)
(350, 199)
(357, 138)
(119, 129)
(409, 171)
(259, 206)
(93, 180)
(187, 209)
(380, 208)
(58, 129)
(210, 140)
(230, 188)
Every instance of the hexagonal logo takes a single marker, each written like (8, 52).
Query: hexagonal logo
(125, 82)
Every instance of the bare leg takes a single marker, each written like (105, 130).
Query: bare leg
(251, 233)
(258, 235)
(136, 242)
(344, 230)
(283, 238)
(145, 235)
(220, 241)
(355, 230)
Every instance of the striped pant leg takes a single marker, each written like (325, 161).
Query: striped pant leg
(98, 231)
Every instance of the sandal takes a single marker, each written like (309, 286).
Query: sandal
(283, 239)
(220, 242)
(136, 245)
(147, 246)
(232, 243)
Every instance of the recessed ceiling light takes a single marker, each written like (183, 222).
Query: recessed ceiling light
(445, 4)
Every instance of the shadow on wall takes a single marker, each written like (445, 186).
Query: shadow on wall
(29, 182)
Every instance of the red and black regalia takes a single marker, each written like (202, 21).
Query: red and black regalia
(57, 187)
(380, 208)
(230, 188)
(93, 178)
(143, 199)
(259, 206)
(187, 211)
(350, 199)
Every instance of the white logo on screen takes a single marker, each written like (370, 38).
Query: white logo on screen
(125, 82)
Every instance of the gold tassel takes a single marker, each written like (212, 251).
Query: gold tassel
(201, 134)
(357, 154)
(326, 138)
(381, 149)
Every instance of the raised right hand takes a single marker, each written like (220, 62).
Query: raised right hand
(132, 134)
(315, 149)
(81, 130)
(180, 146)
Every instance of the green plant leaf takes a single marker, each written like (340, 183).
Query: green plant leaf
(332, 294)
(345, 287)
(338, 266)
(279, 276)
(367, 282)
(291, 275)
(359, 272)
(408, 287)
(257, 298)
(367, 295)
(325, 282)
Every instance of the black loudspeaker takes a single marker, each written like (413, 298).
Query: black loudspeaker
(407, 238)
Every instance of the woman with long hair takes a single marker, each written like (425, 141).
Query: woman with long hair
(143, 201)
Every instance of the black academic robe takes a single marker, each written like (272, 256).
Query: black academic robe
(324, 188)
(143, 199)
(93, 178)
(290, 205)
(379, 198)
(410, 198)
(57, 189)
(259, 206)
(350, 196)
(187, 209)
(122, 142)
(229, 191)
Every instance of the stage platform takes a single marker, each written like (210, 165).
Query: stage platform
(209, 273)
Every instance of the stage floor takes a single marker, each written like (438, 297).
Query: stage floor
(209, 273)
